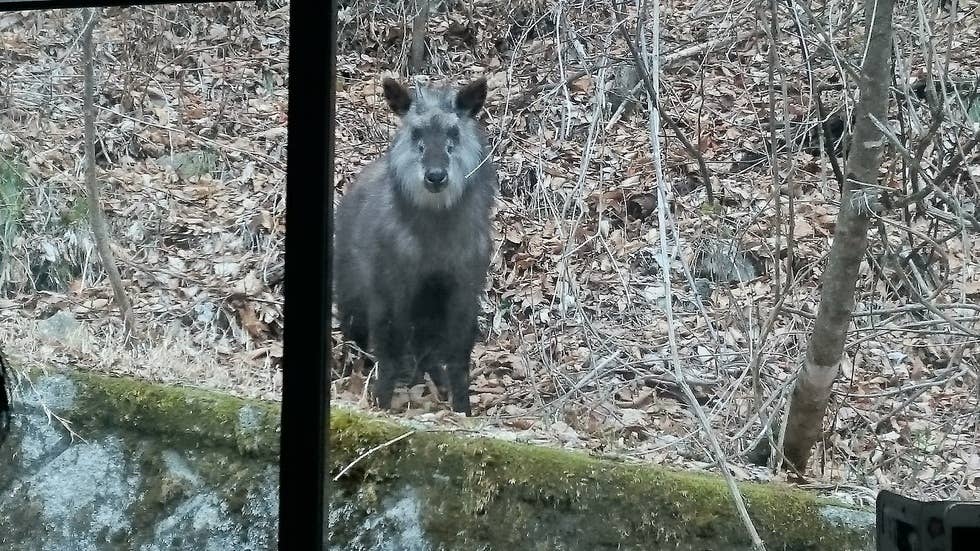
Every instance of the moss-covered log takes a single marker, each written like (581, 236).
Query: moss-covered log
(429, 490)
(481, 493)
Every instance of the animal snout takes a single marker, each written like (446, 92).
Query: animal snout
(435, 179)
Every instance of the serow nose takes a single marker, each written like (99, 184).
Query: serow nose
(435, 179)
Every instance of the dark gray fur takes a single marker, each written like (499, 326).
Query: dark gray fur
(412, 243)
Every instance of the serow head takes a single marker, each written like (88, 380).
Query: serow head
(439, 143)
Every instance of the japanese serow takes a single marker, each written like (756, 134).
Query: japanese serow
(412, 243)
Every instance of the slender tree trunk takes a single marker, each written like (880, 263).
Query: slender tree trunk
(823, 356)
(96, 216)
(419, 26)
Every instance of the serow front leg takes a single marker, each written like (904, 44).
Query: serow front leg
(460, 338)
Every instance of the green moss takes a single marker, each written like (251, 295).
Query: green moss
(178, 414)
(77, 213)
(712, 208)
(472, 492)
(12, 183)
(482, 484)
(158, 489)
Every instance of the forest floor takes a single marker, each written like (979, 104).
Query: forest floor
(575, 350)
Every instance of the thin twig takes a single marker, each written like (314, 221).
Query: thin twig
(665, 272)
(369, 452)
(656, 104)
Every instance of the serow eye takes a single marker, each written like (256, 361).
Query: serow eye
(450, 147)
(421, 147)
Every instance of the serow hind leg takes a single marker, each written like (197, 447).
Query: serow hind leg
(457, 353)
(428, 341)
(389, 347)
(354, 327)
(437, 372)
(459, 386)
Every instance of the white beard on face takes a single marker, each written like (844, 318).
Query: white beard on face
(465, 158)
(414, 188)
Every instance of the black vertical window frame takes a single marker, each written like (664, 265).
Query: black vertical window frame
(309, 211)
(309, 208)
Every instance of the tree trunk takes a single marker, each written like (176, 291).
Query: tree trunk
(823, 356)
(419, 25)
(96, 216)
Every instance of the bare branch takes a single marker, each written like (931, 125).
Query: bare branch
(96, 216)
(655, 97)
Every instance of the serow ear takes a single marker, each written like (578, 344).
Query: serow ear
(470, 98)
(397, 96)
